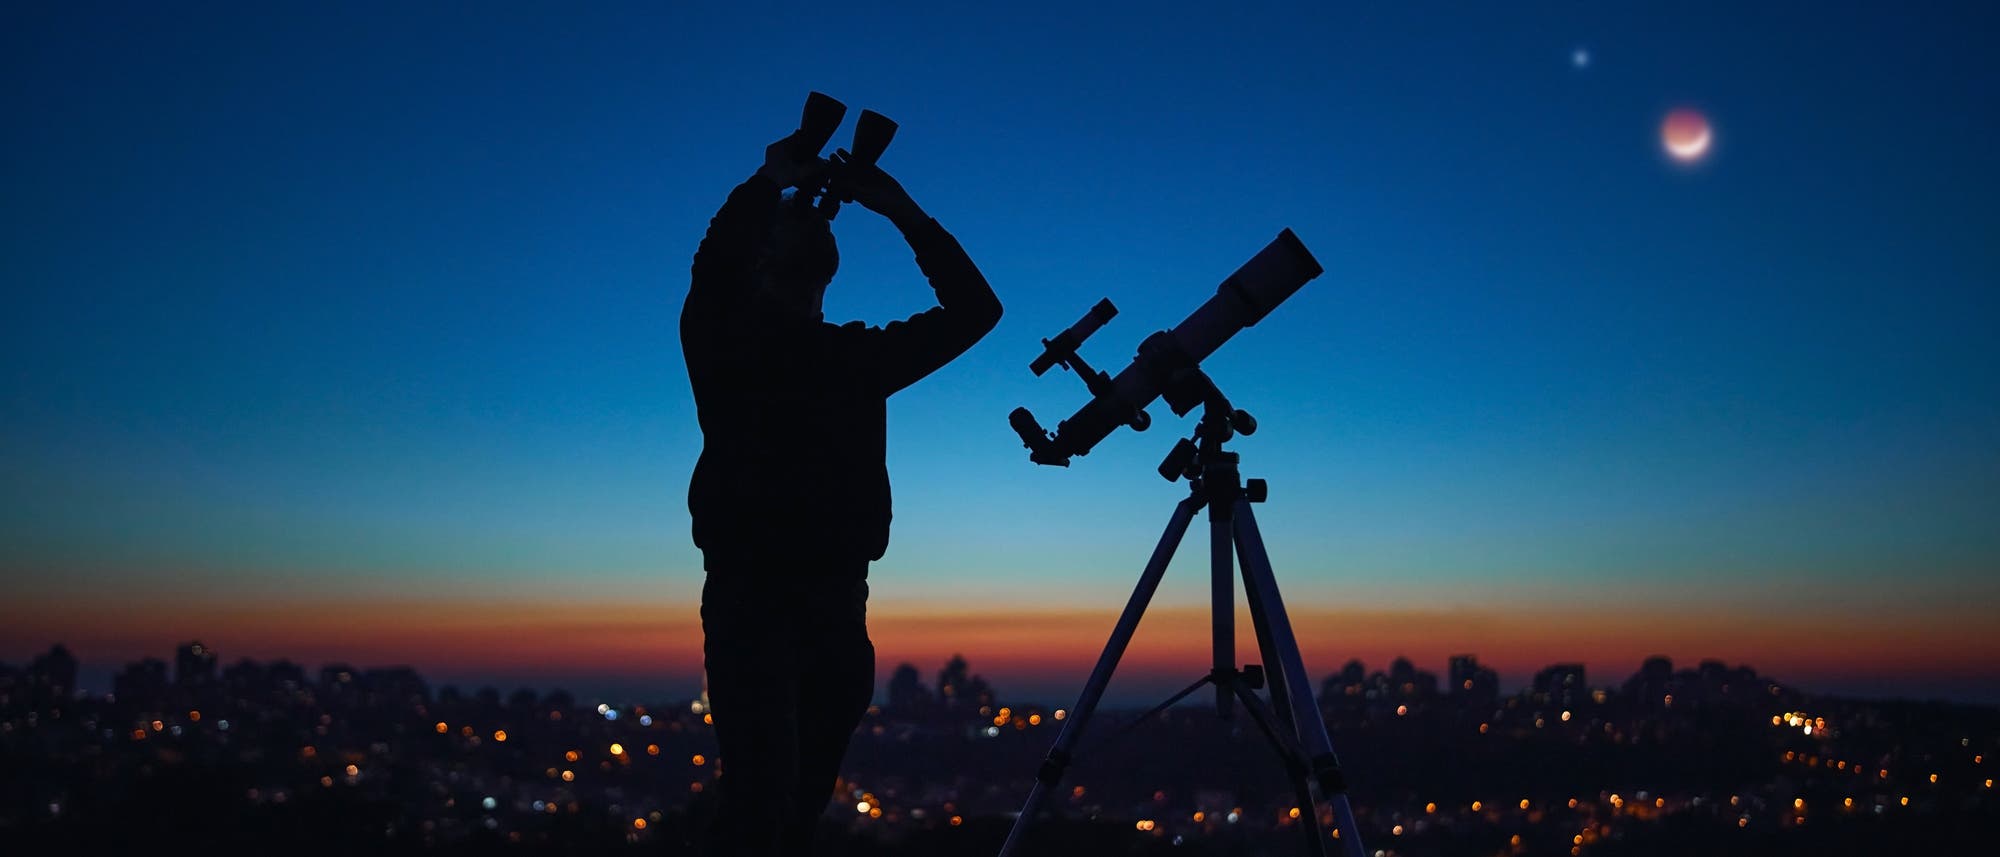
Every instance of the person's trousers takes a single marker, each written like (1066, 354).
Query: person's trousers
(791, 672)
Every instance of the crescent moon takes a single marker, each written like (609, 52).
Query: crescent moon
(1688, 150)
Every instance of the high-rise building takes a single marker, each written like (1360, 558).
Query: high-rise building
(1472, 681)
(907, 693)
(1653, 682)
(194, 665)
(1561, 684)
(52, 676)
(143, 680)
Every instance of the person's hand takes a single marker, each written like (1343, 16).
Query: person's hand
(784, 166)
(876, 190)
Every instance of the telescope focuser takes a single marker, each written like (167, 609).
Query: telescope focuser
(1061, 351)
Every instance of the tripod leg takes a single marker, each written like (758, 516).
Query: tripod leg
(1287, 745)
(1305, 713)
(1274, 667)
(1222, 607)
(1079, 717)
(1157, 710)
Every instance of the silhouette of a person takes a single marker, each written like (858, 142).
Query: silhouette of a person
(790, 497)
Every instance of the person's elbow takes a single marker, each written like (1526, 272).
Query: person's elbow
(989, 316)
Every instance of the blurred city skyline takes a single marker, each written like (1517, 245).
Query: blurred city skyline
(345, 334)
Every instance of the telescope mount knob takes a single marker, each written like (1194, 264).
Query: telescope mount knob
(1256, 490)
(1243, 422)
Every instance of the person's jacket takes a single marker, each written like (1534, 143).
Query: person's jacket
(792, 478)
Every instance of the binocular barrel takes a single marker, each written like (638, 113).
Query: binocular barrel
(872, 133)
(820, 119)
(817, 122)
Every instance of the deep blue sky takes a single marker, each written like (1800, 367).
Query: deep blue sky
(378, 298)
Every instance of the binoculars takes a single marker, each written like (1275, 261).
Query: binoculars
(822, 115)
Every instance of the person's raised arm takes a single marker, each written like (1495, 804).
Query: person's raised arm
(903, 352)
(727, 257)
(729, 251)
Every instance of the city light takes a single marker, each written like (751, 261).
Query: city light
(357, 731)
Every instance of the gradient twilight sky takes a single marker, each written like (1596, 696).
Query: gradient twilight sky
(350, 332)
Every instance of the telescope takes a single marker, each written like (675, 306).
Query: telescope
(1169, 361)
(821, 117)
(1168, 366)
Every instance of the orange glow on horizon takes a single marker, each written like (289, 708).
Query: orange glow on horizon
(645, 639)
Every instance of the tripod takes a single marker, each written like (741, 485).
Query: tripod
(1291, 720)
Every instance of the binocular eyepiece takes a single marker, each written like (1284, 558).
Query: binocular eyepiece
(821, 117)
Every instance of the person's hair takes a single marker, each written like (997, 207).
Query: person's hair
(800, 252)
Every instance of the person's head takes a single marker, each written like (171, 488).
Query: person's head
(798, 259)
